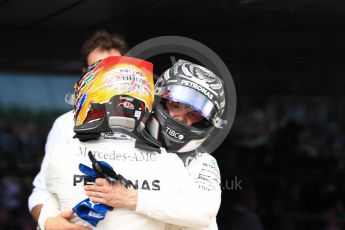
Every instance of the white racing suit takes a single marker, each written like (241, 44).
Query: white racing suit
(61, 132)
(169, 194)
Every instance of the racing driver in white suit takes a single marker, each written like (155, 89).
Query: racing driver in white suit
(184, 117)
(167, 191)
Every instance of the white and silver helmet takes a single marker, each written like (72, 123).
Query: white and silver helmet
(196, 87)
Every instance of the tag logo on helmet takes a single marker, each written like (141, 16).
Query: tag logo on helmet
(128, 105)
(174, 134)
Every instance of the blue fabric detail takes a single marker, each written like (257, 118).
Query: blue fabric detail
(90, 172)
(87, 210)
(91, 212)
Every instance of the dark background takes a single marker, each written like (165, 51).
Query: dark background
(287, 60)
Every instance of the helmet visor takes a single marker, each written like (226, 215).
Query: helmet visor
(191, 98)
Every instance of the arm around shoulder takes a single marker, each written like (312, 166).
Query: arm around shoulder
(196, 205)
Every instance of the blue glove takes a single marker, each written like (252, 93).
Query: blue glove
(91, 172)
(91, 212)
(86, 209)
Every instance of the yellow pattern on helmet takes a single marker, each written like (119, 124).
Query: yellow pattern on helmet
(110, 77)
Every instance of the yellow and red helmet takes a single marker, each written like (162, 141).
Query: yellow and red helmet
(116, 92)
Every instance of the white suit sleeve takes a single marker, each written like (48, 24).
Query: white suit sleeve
(196, 205)
(61, 131)
(50, 208)
(39, 192)
(51, 205)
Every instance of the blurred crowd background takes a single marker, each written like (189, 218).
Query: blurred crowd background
(289, 154)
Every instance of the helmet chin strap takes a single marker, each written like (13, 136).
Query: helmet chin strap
(154, 130)
(83, 137)
(143, 139)
(176, 136)
(132, 127)
(112, 123)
